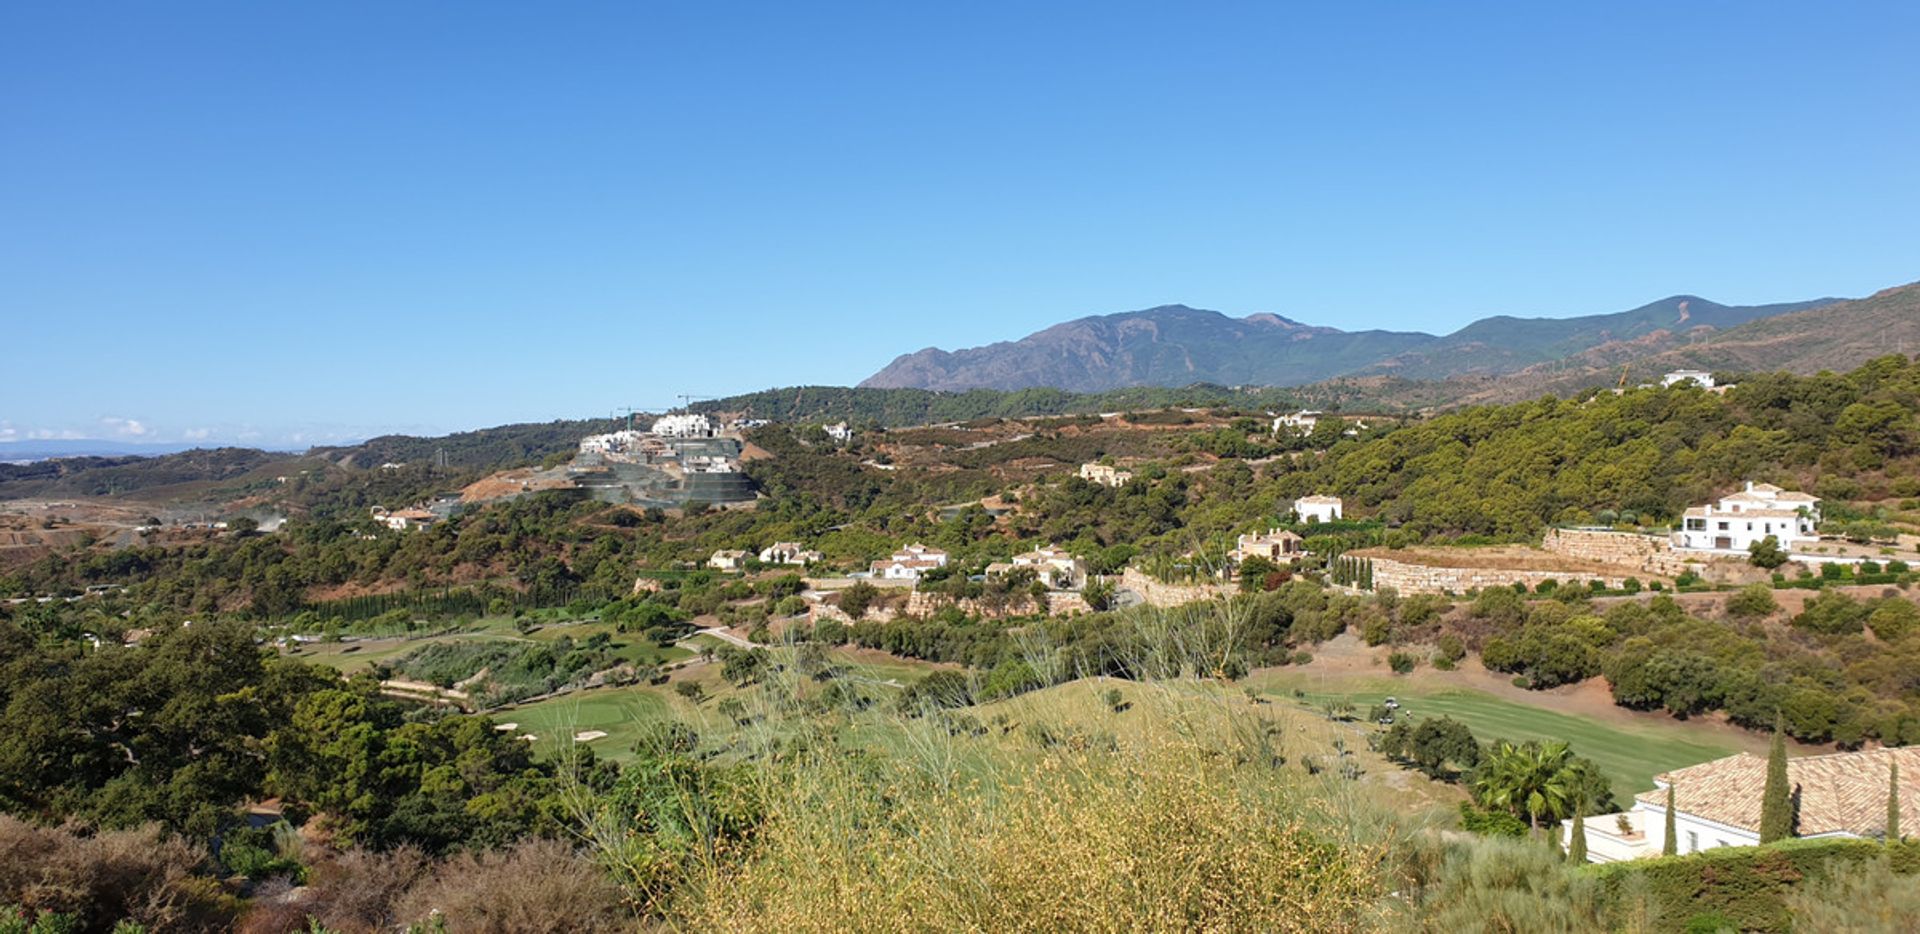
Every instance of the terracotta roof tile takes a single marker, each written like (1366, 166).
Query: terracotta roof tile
(1839, 793)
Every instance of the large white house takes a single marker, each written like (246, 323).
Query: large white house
(909, 563)
(1717, 803)
(616, 442)
(400, 520)
(1318, 508)
(683, 426)
(1702, 377)
(1302, 421)
(1105, 474)
(840, 432)
(1749, 516)
(1056, 567)
(788, 553)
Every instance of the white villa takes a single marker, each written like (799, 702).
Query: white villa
(841, 433)
(1105, 475)
(683, 426)
(1702, 377)
(727, 560)
(788, 553)
(1718, 803)
(617, 442)
(1277, 545)
(909, 563)
(1749, 516)
(1318, 508)
(401, 520)
(1301, 421)
(1056, 567)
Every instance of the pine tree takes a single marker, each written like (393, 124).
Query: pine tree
(1672, 845)
(1776, 801)
(1577, 847)
(1893, 801)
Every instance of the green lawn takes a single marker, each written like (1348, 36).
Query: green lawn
(1630, 755)
(620, 712)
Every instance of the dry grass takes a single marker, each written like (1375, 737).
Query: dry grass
(1063, 829)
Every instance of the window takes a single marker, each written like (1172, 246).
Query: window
(1693, 840)
(1723, 526)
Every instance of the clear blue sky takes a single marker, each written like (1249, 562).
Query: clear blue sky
(292, 222)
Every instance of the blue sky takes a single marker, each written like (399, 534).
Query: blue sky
(287, 223)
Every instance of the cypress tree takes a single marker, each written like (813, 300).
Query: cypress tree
(1672, 845)
(1893, 801)
(1577, 847)
(1776, 801)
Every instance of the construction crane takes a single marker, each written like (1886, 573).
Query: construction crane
(686, 399)
(1623, 371)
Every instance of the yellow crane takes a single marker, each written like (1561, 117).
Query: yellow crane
(1623, 376)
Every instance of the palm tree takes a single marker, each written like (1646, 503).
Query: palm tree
(1535, 779)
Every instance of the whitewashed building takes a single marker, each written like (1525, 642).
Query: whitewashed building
(841, 432)
(1749, 516)
(727, 560)
(1717, 803)
(683, 426)
(1105, 475)
(400, 520)
(788, 553)
(1302, 422)
(1702, 377)
(615, 442)
(1318, 508)
(1056, 567)
(909, 563)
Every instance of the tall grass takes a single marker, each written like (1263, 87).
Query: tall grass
(1072, 837)
(1048, 812)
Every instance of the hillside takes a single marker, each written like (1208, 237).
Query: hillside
(1505, 344)
(1174, 345)
(1837, 336)
(894, 408)
(107, 476)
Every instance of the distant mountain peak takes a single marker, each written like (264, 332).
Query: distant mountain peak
(1178, 345)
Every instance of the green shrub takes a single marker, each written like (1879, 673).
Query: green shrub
(1749, 885)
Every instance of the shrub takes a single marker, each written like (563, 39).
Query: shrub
(1893, 618)
(1401, 662)
(1754, 601)
(1749, 885)
(143, 875)
(536, 885)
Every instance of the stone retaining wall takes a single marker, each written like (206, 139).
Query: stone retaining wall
(1156, 593)
(1057, 603)
(1420, 578)
(1649, 553)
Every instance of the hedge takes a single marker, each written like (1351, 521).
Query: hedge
(1747, 885)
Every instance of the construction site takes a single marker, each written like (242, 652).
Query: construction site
(679, 460)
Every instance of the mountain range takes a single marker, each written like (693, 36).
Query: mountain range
(1174, 345)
